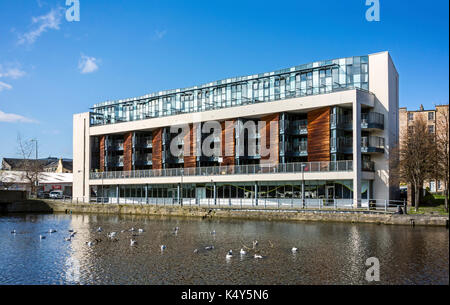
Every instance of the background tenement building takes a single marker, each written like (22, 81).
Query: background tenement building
(333, 123)
(433, 118)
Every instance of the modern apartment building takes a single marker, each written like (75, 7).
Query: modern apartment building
(435, 120)
(322, 133)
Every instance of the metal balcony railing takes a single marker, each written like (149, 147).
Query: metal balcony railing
(306, 167)
(372, 120)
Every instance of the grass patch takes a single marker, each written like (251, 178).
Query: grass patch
(430, 210)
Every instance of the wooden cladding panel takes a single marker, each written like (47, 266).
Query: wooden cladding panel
(228, 142)
(128, 151)
(190, 147)
(319, 135)
(157, 148)
(102, 153)
(270, 139)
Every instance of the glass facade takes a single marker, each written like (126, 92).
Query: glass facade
(309, 79)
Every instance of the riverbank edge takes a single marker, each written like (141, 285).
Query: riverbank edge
(252, 214)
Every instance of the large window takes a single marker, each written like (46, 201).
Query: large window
(316, 78)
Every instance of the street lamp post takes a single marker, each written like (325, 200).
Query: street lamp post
(181, 187)
(303, 185)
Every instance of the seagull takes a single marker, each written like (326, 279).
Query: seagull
(163, 247)
(51, 231)
(112, 234)
(209, 248)
(229, 254)
(71, 231)
(73, 234)
(196, 251)
(41, 237)
(242, 252)
(141, 230)
(294, 250)
(122, 231)
(89, 243)
(132, 229)
(213, 232)
(257, 256)
(255, 243)
(99, 229)
(13, 232)
(133, 242)
(68, 238)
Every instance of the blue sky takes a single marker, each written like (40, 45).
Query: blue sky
(51, 68)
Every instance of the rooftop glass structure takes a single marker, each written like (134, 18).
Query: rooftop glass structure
(309, 79)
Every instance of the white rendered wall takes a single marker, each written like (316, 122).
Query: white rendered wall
(383, 82)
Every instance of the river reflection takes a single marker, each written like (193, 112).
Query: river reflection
(328, 253)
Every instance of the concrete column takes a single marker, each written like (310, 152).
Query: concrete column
(356, 154)
(215, 194)
(146, 193)
(117, 193)
(178, 194)
(256, 193)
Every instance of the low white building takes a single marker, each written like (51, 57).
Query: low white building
(47, 182)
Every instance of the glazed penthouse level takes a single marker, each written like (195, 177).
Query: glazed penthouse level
(322, 134)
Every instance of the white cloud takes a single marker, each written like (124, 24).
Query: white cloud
(160, 34)
(5, 86)
(13, 73)
(41, 24)
(14, 118)
(87, 64)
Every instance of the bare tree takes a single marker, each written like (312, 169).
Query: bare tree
(30, 168)
(416, 157)
(442, 150)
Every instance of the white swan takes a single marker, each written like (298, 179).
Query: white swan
(133, 242)
(257, 256)
(229, 254)
(242, 252)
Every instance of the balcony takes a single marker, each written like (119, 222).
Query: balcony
(299, 127)
(297, 150)
(368, 166)
(341, 145)
(143, 160)
(114, 162)
(114, 145)
(372, 144)
(369, 120)
(144, 143)
(306, 167)
(372, 120)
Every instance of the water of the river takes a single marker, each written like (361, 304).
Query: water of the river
(328, 253)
